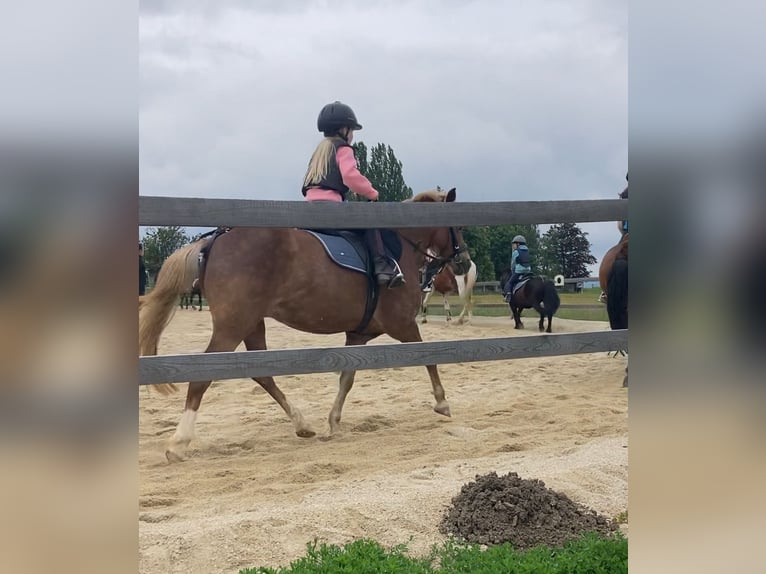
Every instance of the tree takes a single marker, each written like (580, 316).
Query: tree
(383, 170)
(477, 239)
(566, 251)
(159, 243)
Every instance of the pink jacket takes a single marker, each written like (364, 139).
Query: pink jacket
(352, 178)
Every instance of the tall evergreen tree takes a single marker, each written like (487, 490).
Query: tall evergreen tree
(566, 251)
(383, 170)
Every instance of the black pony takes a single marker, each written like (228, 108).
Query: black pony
(537, 293)
(187, 298)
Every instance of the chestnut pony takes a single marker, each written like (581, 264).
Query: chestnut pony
(252, 273)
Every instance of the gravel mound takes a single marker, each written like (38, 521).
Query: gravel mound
(497, 509)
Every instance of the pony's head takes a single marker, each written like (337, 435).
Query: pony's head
(446, 242)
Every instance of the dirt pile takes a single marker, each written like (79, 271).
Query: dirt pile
(496, 509)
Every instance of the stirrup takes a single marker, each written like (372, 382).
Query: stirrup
(396, 281)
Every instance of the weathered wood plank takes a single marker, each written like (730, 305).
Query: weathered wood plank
(457, 307)
(208, 212)
(219, 366)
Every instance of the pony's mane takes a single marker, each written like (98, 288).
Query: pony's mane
(436, 195)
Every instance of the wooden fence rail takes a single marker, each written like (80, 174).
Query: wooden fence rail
(197, 212)
(244, 364)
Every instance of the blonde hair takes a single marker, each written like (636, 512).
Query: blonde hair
(319, 164)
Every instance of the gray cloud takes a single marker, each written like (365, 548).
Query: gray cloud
(505, 100)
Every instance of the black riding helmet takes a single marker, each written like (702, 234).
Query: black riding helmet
(335, 116)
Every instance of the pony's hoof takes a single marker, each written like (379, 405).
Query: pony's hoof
(443, 409)
(305, 433)
(173, 456)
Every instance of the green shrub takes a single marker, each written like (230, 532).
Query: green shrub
(588, 555)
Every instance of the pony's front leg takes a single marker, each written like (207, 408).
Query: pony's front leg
(467, 308)
(517, 317)
(411, 334)
(447, 310)
(344, 386)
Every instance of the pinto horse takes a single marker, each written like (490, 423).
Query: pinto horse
(613, 278)
(537, 293)
(254, 273)
(447, 283)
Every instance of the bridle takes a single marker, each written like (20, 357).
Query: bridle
(435, 263)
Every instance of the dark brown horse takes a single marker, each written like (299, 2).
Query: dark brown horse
(254, 273)
(613, 277)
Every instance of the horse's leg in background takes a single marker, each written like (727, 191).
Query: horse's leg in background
(625, 380)
(516, 311)
(467, 283)
(447, 310)
(256, 341)
(537, 307)
(199, 295)
(467, 308)
(346, 382)
(411, 334)
(219, 342)
(517, 317)
(424, 306)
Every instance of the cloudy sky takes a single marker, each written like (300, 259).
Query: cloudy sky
(503, 99)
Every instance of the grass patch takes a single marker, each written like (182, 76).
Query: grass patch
(587, 298)
(590, 554)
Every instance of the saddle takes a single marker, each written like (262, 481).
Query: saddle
(522, 281)
(347, 249)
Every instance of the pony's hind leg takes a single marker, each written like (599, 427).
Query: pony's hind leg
(256, 341)
(411, 334)
(447, 310)
(185, 429)
(345, 384)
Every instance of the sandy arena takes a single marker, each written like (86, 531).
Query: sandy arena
(251, 493)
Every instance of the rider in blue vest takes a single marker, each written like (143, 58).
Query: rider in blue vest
(521, 264)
